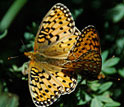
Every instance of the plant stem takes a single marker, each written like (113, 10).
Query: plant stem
(11, 13)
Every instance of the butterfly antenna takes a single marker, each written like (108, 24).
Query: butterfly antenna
(13, 57)
(9, 58)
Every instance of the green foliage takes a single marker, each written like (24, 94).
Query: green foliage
(121, 72)
(104, 101)
(77, 12)
(116, 13)
(104, 87)
(8, 100)
(4, 34)
(108, 65)
(107, 16)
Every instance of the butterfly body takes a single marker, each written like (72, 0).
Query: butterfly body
(38, 57)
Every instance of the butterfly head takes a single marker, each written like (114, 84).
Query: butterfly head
(29, 54)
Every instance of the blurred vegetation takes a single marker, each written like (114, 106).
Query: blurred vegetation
(19, 21)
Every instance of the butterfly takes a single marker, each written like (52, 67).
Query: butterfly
(60, 52)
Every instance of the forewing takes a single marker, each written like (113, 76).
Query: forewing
(47, 84)
(56, 26)
(60, 50)
(88, 41)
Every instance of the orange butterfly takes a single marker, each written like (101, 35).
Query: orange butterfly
(85, 55)
(60, 51)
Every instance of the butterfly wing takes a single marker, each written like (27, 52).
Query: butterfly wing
(56, 26)
(48, 83)
(88, 41)
(86, 54)
(61, 49)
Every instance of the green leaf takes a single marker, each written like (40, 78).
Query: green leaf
(106, 93)
(86, 97)
(120, 42)
(111, 62)
(112, 104)
(121, 72)
(96, 102)
(94, 85)
(83, 82)
(77, 12)
(15, 68)
(28, 35)
(81, 102)
(109, 102)
(105, 87)
(61, 105)
(104, 55)
(105, 99)
(109, 71)
(117, 13)
(1, 61)
(106, 25)
(78, 95)
(117, 92)
(8, 100)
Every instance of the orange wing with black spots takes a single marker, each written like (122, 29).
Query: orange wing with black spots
(47, 83)
(60, 50)
(56, 37)
(88, 41)
(57, 25)
(86, 54)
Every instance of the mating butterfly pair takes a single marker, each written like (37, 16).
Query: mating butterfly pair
(60, 52)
